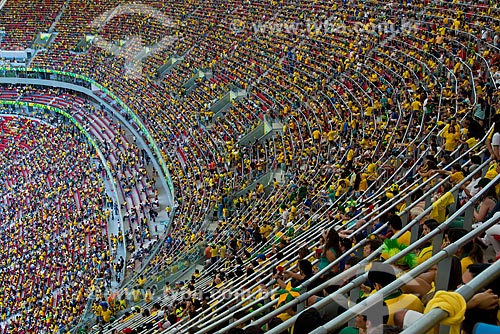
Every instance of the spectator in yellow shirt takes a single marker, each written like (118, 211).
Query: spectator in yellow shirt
(350, 157)
(316, 136)
(342, 188)
(381, 275)
(371, 171)
(451, 139)
(395, 225)
(136, 295)
(106, 314)
(440, 205)
(416, 106)
(141, 281)
(265, 230)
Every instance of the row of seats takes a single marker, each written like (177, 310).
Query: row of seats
(420, 76)
(380, 93)
(137, 189)
(26, 20)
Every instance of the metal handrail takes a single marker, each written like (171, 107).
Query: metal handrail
(407, 277)
(135, 118)
(434, 316)
(419, 269)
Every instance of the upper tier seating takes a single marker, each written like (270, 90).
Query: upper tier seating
(364, 111)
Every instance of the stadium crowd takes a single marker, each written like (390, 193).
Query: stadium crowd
(137, 190)
(54, 241)
(358, 112)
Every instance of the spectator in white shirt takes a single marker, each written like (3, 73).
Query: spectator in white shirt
(469, 189)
